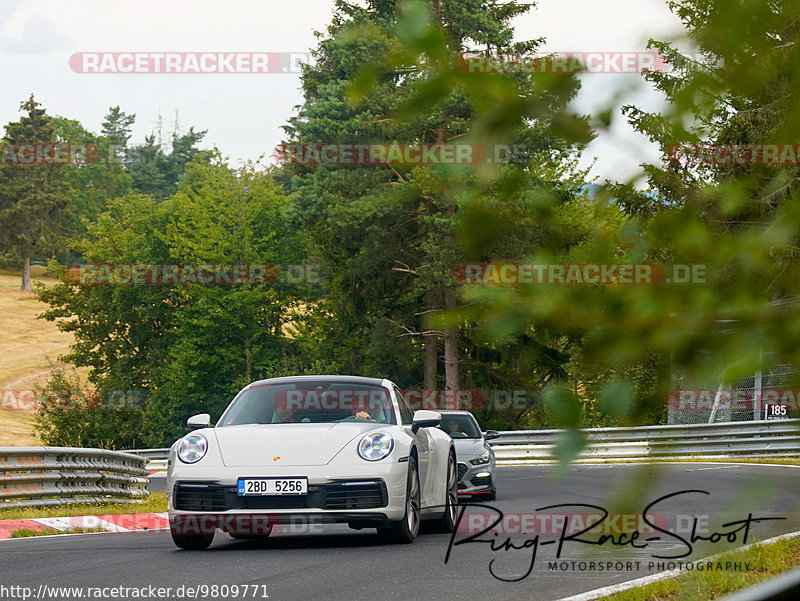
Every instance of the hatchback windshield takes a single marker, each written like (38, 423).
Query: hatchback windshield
(305, 401)
(460, 426)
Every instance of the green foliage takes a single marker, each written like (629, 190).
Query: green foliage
(390, 235)
(157, 173)
(116, 127)
(738, 221)
(34, 213)
(224, 336)
(69, 415)
(184, 349)
(92, 185)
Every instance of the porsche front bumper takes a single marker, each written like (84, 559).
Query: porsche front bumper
(339, 493)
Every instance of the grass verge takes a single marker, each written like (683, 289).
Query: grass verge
(156, 503)
(766, 561)
(25, 533)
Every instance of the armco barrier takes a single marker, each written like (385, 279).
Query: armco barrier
(152, 454)
(37, 476)
(776, 438)
(156, 458)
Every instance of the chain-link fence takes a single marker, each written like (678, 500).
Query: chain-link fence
(762, 395)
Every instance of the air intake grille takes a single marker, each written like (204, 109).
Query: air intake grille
(355, 495)
(200, 497)
(462, 469)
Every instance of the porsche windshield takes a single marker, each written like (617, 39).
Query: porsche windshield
(317, 401)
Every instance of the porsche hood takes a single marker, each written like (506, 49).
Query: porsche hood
(295, 444)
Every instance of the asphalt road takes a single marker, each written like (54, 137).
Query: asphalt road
(347, 565)
(158, 482)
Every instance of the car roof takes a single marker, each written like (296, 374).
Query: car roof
(350, 379)
(454, 412)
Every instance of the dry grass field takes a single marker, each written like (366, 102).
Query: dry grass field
(29, 349)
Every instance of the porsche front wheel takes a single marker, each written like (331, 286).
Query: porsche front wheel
(405, 531)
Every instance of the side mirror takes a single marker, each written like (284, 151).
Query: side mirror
(202, 420)
(491, 434)
(425, 419)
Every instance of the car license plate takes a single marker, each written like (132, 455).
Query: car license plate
(272, 486)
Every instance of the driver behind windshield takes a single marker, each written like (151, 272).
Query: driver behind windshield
(454, 429)
(282, 413)
(370, 405)
(362, 410)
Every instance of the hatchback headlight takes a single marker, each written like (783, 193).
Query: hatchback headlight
(481, 459)
(192, 448)
(375, 446)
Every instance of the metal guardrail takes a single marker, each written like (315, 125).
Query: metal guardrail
(38, 476)
(156, 458)
(152, 454)
(732, 439)
(35, 476)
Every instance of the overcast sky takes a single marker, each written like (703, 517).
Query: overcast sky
(243, 112)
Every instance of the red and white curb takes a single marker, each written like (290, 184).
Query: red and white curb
(136, 522)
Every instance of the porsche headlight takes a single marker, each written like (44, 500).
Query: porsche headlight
(481, 459)
(375, 446)
(192, 448)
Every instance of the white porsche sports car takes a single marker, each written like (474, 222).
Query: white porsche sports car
(331, 449)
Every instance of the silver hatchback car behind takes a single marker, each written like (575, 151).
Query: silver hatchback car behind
(476, 463)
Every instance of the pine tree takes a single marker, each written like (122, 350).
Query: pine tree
(389, 234)
(157, 173)
(737, 91)
(34, 215)
(116, 127)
